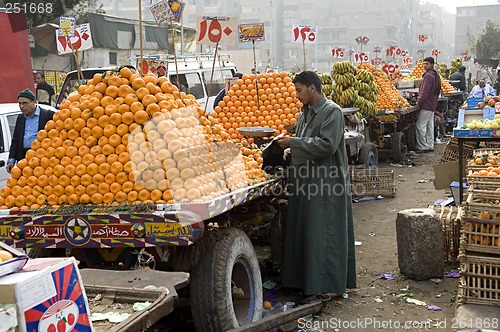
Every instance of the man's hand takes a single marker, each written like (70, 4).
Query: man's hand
(9, 167)
(284, 142)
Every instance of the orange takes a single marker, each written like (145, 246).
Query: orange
(141, 117)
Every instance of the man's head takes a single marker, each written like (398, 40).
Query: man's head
(308, 87)
(428, 63)
(254, 71)
(40, 78)
(482, 83)
(461, 69)
(27, 102)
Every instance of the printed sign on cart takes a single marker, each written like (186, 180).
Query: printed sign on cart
(81, 41)
(304, 33)
(213, 30)
(251, 32)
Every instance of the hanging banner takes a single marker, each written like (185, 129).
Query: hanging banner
(216, 29)
(81, 41)
(167, 11)
(251, 32)
(304, 33)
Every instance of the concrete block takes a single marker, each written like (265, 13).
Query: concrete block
(420, 244)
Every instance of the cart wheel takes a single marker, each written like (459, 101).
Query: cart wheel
(368, 155)
(226, 285)
(411, 138)
(398, 146)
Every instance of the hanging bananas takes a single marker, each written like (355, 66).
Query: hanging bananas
(326, 84)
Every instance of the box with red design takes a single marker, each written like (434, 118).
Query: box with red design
(49, 296)
(11, 260)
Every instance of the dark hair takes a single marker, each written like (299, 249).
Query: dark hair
(239, 75)
(308, 78)
(461, 69)
(429, 59)
(42, 75)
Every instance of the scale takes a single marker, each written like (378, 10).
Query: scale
(257, 133)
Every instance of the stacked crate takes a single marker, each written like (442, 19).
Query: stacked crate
(480, 241)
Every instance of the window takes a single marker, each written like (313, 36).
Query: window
(113, 58)
(194, 84)
(217, 82)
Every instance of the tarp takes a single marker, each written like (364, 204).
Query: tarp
(16, 73)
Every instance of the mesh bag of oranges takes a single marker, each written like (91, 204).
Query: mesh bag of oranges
(123, 139)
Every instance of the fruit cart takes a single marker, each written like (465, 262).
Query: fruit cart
(203, 238)
(360, 149)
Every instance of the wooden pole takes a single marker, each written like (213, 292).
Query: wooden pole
(256, 75)
(304, 50)
(212, 74)
(175, 57)
(140, 35)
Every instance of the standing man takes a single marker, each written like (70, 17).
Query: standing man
(28, 124)
(319, 234)
(44, 92)
(428, 95)
(459, 76)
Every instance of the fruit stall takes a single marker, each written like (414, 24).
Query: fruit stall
(132, 173)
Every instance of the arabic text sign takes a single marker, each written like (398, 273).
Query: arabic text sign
(160, 12)
(361, 57)
(338, 52)
(304, 34)
(81, 41)
(214, 30)
(251, 32)
(67, 26)
(408, 61)
(390, 68)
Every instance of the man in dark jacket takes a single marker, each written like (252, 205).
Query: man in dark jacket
(428, 95)
(459, 76)
(44, 92)
(28, 124)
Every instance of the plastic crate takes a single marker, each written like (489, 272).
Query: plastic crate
(481, 222)
(479, 280)
(372, 182)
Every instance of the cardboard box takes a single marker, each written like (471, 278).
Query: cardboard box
(14, 264)
(446, 173)
(49, 296)
(405, 84)
(467, 115)
(8, 317)
(454, 187)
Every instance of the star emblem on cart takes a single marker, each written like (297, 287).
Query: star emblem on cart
(77, 231)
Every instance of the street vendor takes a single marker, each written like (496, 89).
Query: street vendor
(319, 253)
(482, 89)
(428, 96)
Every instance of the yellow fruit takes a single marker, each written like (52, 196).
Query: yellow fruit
(5, 255)
(267, 305)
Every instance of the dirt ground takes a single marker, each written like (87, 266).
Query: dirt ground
(378, 303)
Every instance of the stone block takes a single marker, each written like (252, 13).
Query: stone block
(420, 244)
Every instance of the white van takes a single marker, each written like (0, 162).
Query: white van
(8, 116)
(195, 73)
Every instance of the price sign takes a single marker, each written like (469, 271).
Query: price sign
(466, 58)
(377, 48)
(82, 40)
(338, 52)
(304, 34)
(407, 61)
(404, 66)
(390, 68)
(361, 57)
(376, 61)
(422, 38)
(390, 51)
(216, 29)
(435, 52)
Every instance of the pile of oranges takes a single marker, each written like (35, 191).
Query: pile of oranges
(389, 98)
(123, 138)
(446, 87)
(418, 71)
(268, 100)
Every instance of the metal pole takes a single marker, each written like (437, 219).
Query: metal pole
(182, 34)
(304, 50)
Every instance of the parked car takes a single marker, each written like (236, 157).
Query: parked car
(8, 115)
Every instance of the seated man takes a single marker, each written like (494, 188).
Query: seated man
(481, 90)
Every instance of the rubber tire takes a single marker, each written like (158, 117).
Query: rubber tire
(398, 146)
(411, 138)
(368, 155)
(230, 259)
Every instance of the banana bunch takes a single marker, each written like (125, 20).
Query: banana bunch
(347, 97)
(326, 84)
(365, 106)
(347, 79)
(367, 92)
(343, 67)
(455, 65)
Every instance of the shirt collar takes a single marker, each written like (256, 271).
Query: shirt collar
(37, 113)
(318, 105)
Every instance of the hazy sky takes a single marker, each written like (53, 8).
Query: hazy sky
(450, 5)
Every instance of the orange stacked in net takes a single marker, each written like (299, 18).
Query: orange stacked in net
(275, 106)
(124, 139)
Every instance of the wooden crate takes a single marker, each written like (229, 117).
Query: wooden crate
(479, 280)
(372, 182)
(481, 222)
(450, 221)
(451, 151)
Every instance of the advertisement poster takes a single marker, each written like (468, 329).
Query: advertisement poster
(251, 32)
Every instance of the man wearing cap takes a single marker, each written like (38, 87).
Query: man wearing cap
(32, 120)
